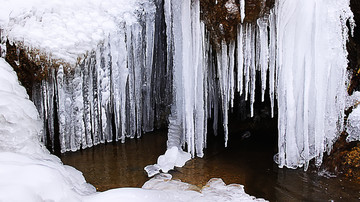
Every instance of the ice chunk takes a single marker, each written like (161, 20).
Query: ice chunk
(173, 157)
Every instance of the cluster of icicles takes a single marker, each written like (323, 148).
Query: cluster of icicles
(108, 95)
(299, 46)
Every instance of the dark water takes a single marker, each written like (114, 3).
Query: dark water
(246, 161)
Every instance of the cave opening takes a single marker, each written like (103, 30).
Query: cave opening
(248, 158)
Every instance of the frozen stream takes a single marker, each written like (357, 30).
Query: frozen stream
(245, 161)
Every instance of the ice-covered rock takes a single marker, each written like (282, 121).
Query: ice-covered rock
(353, 125)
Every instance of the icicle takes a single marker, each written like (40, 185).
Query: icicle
(223, 74)
(242, 10)
(240, 58)
(231, 78)
(2, 44)
(188, 114)
(148, 110)
(61, 107)
(272, 58)
(252, 70)
(247, 58)
(262, 24)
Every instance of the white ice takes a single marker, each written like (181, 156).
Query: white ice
(353, 126)
(101, 58)
(173, 157)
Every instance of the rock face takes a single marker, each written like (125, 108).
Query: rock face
(222, 17)
(28, 71)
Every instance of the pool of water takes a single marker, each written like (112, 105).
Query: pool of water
(247, 161)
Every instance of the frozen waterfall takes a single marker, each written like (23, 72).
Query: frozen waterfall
(116, 78)
(292, 46)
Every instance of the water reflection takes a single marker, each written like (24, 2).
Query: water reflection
(246, 161)
(118, 165)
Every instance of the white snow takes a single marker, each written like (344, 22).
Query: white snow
(23, 138)
(101, 58)
(66, 30)
(173, 157)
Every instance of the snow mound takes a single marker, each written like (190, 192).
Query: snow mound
(24, 178)
(19, 121)
(214, 190)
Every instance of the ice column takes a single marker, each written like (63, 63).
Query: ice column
(188, 114)
(311, 85)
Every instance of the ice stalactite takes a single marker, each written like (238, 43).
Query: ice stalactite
(311, 78)
(204, 83)
(188, 119)
(2, 44)
(302, 65)
(108, 95)
(242, 10)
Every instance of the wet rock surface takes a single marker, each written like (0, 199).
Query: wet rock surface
(221, 17)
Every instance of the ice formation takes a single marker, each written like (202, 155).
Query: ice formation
(115, 83)
(28, 172)
(103, 51)
(242, 10)
(173, 157)
(311, 85)
(353, 127)
(292, 46)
